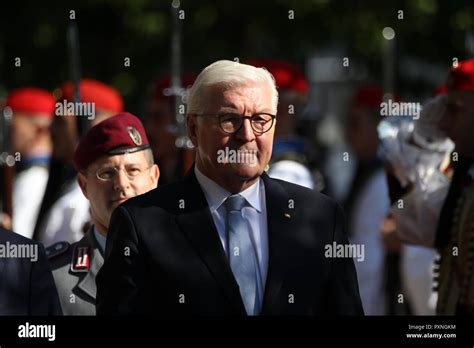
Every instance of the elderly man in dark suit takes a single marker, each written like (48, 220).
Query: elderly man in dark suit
(26, 283)
(229, 240)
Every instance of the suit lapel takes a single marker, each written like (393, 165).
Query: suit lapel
(197, 224)
(279, 218)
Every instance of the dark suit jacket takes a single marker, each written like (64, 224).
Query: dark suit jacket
(26, 286)
(164, 256)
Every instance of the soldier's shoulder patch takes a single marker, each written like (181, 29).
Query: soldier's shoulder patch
(80, 258)
(57, 249)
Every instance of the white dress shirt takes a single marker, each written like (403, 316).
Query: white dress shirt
(255, 212)
(28, 191)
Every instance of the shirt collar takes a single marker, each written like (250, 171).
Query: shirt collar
(216, 195)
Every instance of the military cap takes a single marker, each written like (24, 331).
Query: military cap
(119, 134)
(31, 101)
(104, 96)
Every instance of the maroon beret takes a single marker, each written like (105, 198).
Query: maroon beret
(122, 133)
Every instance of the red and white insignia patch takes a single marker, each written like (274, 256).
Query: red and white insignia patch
(80, 259)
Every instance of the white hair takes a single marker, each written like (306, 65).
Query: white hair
(228, 74)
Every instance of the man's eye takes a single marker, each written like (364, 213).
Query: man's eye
(133, 171)
(261, 119)
(107, 173)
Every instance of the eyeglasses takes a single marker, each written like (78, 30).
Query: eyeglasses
(231, 123)
(109, 173)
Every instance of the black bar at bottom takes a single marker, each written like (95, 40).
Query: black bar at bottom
(426, 330)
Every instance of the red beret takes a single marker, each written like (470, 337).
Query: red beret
(160, 86)
(93, 91)
(287, 76)
(122, 133)
(461, 77)
(31, 101)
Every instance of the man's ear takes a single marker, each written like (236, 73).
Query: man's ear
(191, 125)
(155, 175)
(82, 181)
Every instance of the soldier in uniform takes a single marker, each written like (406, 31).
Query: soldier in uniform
(161, 127)
(115, 163)
(64, 210)
(368, 193)
(455, 234)
(32, 113)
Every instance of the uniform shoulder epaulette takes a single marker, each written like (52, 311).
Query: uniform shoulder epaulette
(57, 249)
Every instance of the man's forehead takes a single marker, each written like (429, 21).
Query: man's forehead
(21, 117)
(258, 93)
(125, 158)
(236, 87)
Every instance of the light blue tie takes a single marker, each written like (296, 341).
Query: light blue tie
(241, 253)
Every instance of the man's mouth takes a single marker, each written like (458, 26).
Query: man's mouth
(240, 156)
(119, 200)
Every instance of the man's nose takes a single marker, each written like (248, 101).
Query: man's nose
(245, 132)
(121, 180)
